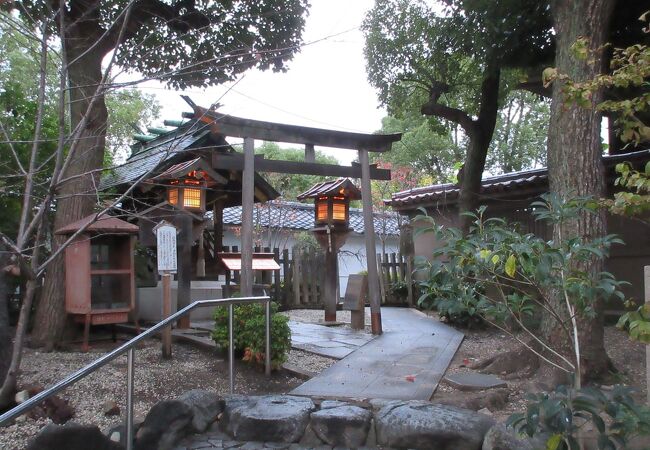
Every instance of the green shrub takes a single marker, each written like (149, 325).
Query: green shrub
(249, 333)
(457, 301)
(561, 414)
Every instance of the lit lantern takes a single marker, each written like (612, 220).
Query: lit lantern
(188, 192)
(332, 202)
(187, 182)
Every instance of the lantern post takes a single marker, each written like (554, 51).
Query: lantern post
(331, 228)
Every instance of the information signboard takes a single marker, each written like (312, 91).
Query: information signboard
(166, 246)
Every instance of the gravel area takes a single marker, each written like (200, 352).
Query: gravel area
(155, 379)
(628, 357)
(309, 361)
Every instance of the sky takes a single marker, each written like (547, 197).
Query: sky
(325, 86)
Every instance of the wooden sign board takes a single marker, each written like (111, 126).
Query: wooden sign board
(166, 246)
(356, 293)
(261, 261)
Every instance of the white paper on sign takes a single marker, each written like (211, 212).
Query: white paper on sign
(166, 248)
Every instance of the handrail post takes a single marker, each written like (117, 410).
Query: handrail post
(231, 350)
(130, 370)
(267, 352)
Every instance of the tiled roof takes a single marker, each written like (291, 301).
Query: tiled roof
(148, 155)
(300, 216)
(105, 224)
(332, 187)
(532, 182)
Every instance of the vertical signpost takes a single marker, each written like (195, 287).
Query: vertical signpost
(167, 264)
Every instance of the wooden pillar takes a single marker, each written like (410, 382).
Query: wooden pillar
(329, 289)
(167, 310)
(646, 279)
(310, 153)
(184, 287)
(248, 201)
(371, 248)
(200, 257)
(217, 228)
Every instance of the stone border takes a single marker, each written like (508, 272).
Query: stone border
(202, 419)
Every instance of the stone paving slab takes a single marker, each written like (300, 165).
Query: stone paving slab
(405, 363)
(334, 343)
(474, 381)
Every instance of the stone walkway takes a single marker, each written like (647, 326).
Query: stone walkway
(333, 342)
(406, 362)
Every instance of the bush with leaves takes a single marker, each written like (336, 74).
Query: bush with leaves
(457, 301)
(562, 414)
(250, 333)
(498, 273)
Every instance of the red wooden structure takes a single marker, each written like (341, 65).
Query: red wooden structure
(99, 271)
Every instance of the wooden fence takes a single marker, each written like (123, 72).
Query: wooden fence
(298, 284)
(395, 278)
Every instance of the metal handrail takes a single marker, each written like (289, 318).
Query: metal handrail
(129, 346)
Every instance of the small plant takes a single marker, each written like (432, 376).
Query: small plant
(637, 323)
(563, 413)
(249, 333)
(399, 289)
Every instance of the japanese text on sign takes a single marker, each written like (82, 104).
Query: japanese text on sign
(166, 248)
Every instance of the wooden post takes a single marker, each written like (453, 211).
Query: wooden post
(407, 250)
(276, 278)
(329, 286)
(166, 312)
(295, 276)
(310, 153)
(382, 279)
(371, 248)
(217, 222)
(248, 201)
(646, 278)
(184, 289)
(200, 257)
(287, 277)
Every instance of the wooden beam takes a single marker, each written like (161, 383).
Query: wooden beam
(371, 248)
(226, 125)
(235, 161)
(248, 201)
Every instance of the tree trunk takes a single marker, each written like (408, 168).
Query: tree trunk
(479, 143)
(6, 343)
(574, 156)
(77, 196)
(11, 379)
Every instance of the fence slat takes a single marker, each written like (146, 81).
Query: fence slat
(393, 268)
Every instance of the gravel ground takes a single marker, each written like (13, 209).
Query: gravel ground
(309, 361)
(628, 357)
(155, 379)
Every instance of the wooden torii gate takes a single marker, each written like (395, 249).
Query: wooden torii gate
(249, 130)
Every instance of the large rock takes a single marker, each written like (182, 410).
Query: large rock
(206, 406)
(501, 438)
(418, 424)
(275, 418)
(72, 436)
(166, 423)
(345, 426)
